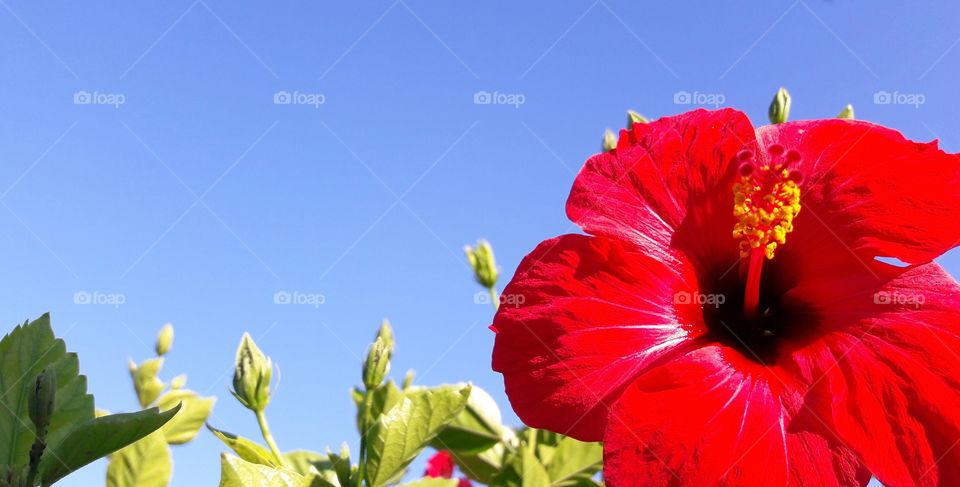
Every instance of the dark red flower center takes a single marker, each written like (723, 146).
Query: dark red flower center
(756, 318)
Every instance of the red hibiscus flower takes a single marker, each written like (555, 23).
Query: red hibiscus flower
(441, 465)
(728, 322)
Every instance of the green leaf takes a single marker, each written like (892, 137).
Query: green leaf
(24, 353)
(248, 450)
(99, 437)
(382, 399)
(477, 428)
(236, 472)
(482, 466)
(341, 465)
(145, 381)
(574, 460)
(146, 463)
(432, 482)
(532, 472)
(304, 462)
(406, 429)
(185, 425)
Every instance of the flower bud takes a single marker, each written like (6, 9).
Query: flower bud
(780, 106)
(164, 340)
(41, 399)
(609, 141)
(634, 117)
(846, 113)
(377, 365)
(386, 334)
(251, 378)
(483, 264)
(178, 382)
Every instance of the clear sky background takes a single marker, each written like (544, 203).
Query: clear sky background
(198, 198)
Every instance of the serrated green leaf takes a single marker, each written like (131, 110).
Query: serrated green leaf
(237, 472)
(406, 429)
(24, 353)
(573, 460)
(477, 428)
(432, 482)
(145, 381)
(97, 438)
(248, 450)
(382, 398)
(145, 463)
(193, 414)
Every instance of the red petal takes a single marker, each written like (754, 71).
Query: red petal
(440, 465)
(591, 314)
(672, 175)
(882, 194)
(714, 418)
(889, 387)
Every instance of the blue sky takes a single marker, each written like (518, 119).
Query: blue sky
(184, 188)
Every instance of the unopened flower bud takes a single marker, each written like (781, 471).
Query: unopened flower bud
(164, 340)
(386, 334)
(41, 399)
(609, 141)
(483, 264)
(251, 378)
(780, 106)
(178, 382)
(846, 113)
(377, 365)
(634, 117)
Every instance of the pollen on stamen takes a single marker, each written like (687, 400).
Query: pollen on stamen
(766, 200)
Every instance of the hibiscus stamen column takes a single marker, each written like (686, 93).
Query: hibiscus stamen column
(766, 199)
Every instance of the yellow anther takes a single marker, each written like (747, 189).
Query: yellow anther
(765, 203)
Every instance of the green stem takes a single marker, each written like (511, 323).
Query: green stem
(36, 451)
(361, 465)
(532, 441)
(268, 437)
(494, 298)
